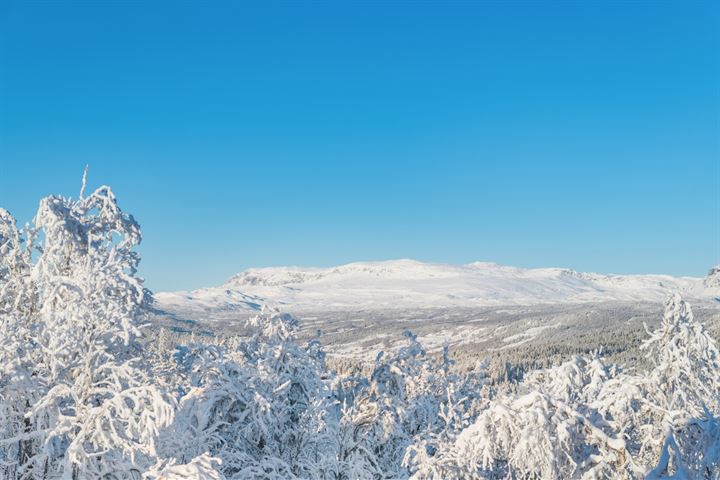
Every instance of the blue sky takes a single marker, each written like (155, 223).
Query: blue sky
(262, 133)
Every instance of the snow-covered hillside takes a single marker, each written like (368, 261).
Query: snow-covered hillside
(90, 389)
(403, 284)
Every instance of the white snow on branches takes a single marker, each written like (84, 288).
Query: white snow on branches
(84, 395)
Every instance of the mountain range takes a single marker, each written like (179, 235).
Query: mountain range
(402, 284)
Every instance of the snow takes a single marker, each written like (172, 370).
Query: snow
(524, 337)
(404, 284)
(85, 394)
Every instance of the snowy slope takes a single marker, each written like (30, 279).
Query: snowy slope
(406, 284)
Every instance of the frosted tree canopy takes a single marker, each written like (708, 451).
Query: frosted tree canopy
(87, 393)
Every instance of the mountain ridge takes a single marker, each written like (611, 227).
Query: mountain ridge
(410, 283)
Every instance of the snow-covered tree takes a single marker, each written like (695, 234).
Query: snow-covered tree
(19, 386)
(548, 431)
(682, 394)
(89, 409)
(409, 404)
(265, 408)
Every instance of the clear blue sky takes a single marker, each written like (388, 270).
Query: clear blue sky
(525, 133)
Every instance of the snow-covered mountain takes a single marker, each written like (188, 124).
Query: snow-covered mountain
(413, 284)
